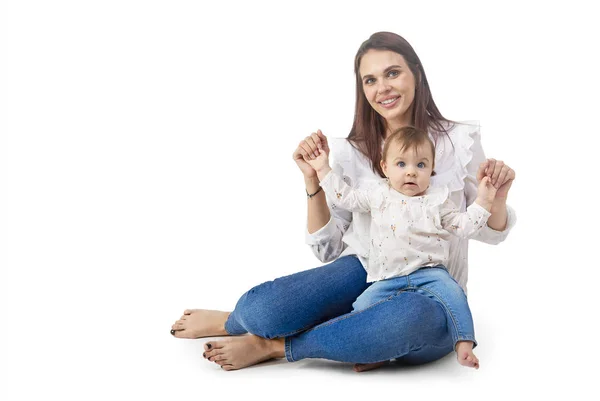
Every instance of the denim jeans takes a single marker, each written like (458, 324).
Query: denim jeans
(313, 311)
(433, 282)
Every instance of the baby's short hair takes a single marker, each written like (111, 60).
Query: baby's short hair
(409, 138)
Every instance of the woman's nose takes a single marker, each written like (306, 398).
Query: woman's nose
(383, 87)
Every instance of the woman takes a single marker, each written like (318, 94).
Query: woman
(308, 314)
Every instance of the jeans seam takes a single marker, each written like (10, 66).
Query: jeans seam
(292, 333)
(441, 301)
(288, 349)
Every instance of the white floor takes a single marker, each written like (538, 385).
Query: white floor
(112, 342)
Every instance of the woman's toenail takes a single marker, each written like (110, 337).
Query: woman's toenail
(208, 346)
(173, 332)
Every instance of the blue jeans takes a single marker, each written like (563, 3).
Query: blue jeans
(433, 282)
(313, 311)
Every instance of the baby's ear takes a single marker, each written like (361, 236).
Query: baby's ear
(383, 167)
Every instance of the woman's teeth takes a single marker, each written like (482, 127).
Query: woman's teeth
(389, 101)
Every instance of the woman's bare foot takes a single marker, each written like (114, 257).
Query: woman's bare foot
(363, 367)
(196, 323)
(241, 352)
(465, 355)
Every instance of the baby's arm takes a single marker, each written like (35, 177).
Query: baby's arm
(343, 195)
(467, 224)
(340, 193)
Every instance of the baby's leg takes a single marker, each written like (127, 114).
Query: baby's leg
(379, 291)
(437, 283)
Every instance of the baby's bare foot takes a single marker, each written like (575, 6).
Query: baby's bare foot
(241, 352)
(196, 323)
(363, 367)
(465, 355)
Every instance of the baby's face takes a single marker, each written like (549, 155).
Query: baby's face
(409, 171)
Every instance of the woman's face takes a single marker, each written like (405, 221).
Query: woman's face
(389, 86)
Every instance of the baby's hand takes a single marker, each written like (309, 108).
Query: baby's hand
(321, 163)
(486, 193)
(501, 176)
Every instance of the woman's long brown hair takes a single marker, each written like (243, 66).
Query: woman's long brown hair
(368, 130)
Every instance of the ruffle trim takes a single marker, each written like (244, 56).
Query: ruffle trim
(463, 136)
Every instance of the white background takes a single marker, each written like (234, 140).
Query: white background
(146, 168)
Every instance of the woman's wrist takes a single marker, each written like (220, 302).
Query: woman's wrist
(498, 205)
(311, 184)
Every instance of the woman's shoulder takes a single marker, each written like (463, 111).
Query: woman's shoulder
(343, 151)
(462, 130)
(454, 152)
(350, 162)
(462, 135)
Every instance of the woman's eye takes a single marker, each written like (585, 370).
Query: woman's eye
(393, 73)
(421, 165)
(401, 164)
(369, 81)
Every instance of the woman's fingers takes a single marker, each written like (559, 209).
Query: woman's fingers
(323, 141)
(494, 169)
(502, 177)
(306, 151)
(317, 140)
(481, 172)
(312, 142)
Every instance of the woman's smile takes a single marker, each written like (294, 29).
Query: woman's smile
(390, 102)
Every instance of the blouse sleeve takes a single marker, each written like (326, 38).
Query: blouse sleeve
(463, 224)
(326, 243)
(343, 195)
(472, 145)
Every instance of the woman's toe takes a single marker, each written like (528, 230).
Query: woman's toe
(212, 345)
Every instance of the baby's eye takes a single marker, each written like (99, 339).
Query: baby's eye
(401, 164)
(421, 165)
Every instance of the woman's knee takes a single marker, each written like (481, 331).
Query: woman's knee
(257, 311)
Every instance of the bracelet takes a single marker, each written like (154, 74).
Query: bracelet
(311, 195)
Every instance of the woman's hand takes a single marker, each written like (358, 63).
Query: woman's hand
(308, 149)
(501, 176)
(320, 164)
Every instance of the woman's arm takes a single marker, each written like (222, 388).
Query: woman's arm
(325, 227)
(503, 217)
(318, 211)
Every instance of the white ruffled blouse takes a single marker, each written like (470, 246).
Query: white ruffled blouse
(457, 160)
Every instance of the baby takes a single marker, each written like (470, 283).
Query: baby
(411, 225)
